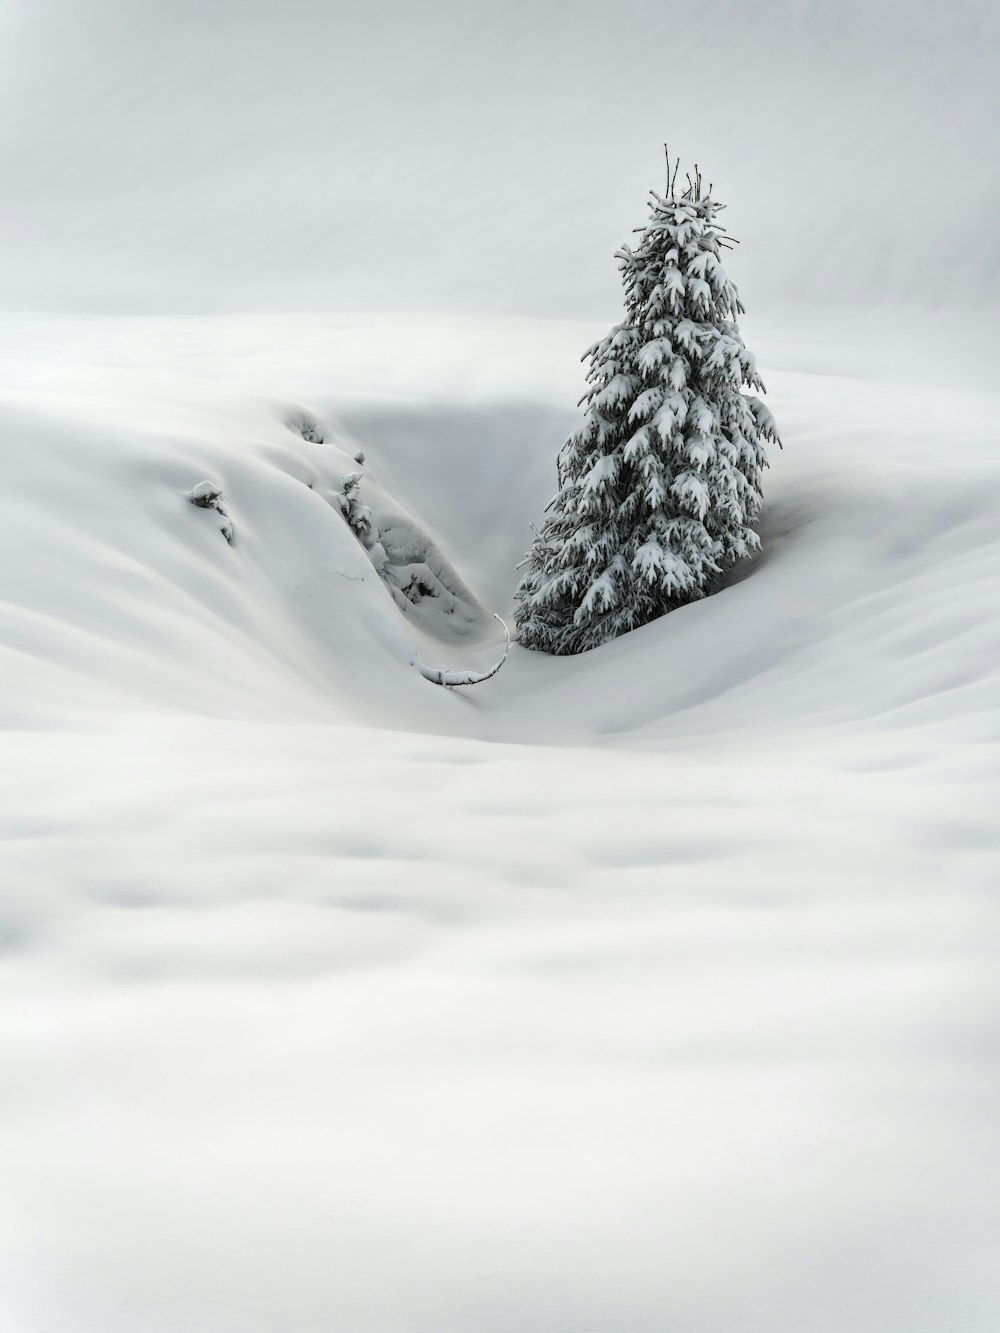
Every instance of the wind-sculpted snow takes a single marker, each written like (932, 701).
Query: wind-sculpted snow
(651, 989)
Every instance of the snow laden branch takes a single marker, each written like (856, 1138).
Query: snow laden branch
(449, 679)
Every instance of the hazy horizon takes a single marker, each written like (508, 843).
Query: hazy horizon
(458, 157)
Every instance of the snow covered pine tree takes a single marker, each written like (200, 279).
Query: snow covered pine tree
(660, 486)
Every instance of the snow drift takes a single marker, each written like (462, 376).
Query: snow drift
(654, 988)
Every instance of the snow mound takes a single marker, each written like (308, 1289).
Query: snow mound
(123, 593)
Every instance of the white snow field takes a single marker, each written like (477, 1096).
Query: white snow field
(655, 990)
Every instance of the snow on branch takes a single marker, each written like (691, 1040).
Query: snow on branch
(449, 679)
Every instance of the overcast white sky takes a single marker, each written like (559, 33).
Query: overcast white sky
(488, 157)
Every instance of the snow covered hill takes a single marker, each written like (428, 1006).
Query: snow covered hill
(653, 989)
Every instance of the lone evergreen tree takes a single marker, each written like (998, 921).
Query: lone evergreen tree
(659, 488)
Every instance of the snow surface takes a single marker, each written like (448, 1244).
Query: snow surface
(654, 989)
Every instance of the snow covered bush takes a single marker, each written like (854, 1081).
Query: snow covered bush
(359, 518)
(206, 495)
(402, 559)
(659, 488)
